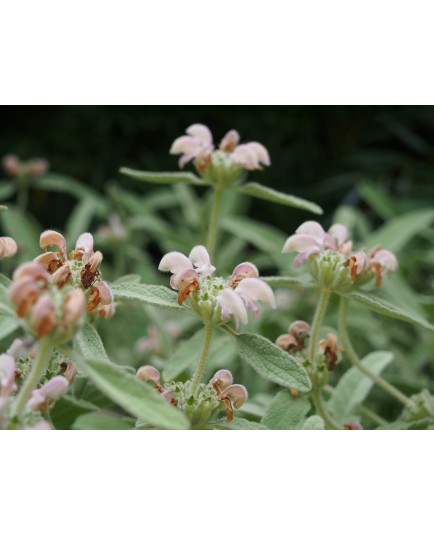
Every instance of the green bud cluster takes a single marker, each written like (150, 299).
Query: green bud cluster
(222, 171)
(204, 302)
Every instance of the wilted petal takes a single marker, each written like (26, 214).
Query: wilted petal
(33, 269)
(252, 289)
(61, 275)
(49, 260)
(201, 132)
(174, 262)
(23, 293)
(185, 279)
(74, 305)
(199, 256)
(147, 373)
(52, 238)
(299, 327)
(237, 392)
(43, 315)
(223, 378)
(232, 306)
(105, 292)
(339, 232)
(286, 342)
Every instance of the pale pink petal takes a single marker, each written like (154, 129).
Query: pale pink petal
(301, 242)
(362, 261)
(232, 306)
(386, 259)
(311, 228)
(339, 232)
(186, 145)
(201, 132)
(223, 378)
(41, 425)
(85, 244)
(252, 289)
(261, 153)
(243, 270)
(184, 279)
(185, 159)
(245, 156)
(199, 256)
(229, 141)
(174, 262)
(237, 391)
(304, 255)
(54, 388)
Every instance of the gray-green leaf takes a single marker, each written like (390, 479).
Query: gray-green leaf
(133, 395)
(381, 306)
(151, 294)
(255, 189)
(354, 387)
(182, 177)
(271, 362)
(286, 412)
(238, 424)
(314, 422)
(89, 343)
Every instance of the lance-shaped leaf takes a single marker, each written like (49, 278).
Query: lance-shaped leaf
(89, 343)
(286, 412)
(180, 177)
(386, 308)
(151, 294)
(238, 424)
(8, 325)
(304, 281)
(255, 189)
(271, 362)
(354, 387)
(133, 395)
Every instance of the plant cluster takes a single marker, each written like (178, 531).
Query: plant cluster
(175, 345)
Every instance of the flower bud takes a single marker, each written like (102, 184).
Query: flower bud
(237, 392)
(23, 293)
(8, 247)
(223, 378)
(49, 260)
(52, 390)
(229, 141)
(168, 394)
(43, 315)
(33, 269)
(148, 373)
(62, 275)
(74, 305)
(299, 327)
(11, 165)
(286, 342)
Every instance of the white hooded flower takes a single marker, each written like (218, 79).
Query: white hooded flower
(253, 290)
(51, 390)
(197, 144)
(251, 155)
(232, 305)
(181, 266)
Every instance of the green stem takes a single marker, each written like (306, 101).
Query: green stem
(213, 224)
(39, 367)
(350, 352)
(374, 417)
(317, 321)
(322, 411)
(201, 364)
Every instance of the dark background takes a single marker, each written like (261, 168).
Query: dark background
(318, 152)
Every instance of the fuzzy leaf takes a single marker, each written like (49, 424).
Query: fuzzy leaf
(67, 409)
(396, 233)
(238, 424)
(133, 395)
(383, 307)
(289, 282)
(314, 422)
(354, 386)
(103, 421)
(8, 324)
(89, 343)
(271, 362)
(286, 411)
(181, 177)
(151, 294)
(264, 192)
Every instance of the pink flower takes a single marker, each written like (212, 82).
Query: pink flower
(51, 390)
(181, 266)
(253, 290)
(7, 375)
(197, 144)
(232, 305)
(310, 239)
(251, 155)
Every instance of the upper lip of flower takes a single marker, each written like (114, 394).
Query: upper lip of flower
(177, 263)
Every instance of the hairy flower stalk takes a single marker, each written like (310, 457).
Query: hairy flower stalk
(221, 167)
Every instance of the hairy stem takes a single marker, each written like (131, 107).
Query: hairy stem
(201, 364)
(350, 352)
(213, 224)
(317, 321)
(322, 411)
(39, 367)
